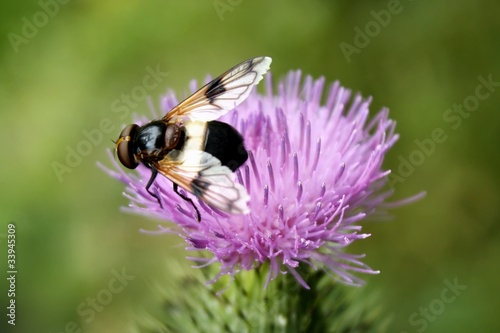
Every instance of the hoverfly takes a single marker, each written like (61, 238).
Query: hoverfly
(194, 150)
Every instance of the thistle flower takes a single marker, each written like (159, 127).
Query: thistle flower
(314, 172)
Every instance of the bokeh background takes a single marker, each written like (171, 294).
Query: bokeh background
(63, 77)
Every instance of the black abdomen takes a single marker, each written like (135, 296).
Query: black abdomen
(226, 144)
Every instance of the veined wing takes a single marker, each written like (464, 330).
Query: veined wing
(203, 175)
(222, 94)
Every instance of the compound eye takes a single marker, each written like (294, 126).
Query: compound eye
(124, 146)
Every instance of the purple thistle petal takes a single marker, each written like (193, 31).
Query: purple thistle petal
(314, 172)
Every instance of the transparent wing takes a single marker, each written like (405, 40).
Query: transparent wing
(203, 175)
(222, 94)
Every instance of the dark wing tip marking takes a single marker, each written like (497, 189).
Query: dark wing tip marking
(214, 89)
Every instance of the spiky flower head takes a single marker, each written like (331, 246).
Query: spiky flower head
(314, 172)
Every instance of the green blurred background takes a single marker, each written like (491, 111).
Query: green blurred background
(64, 78)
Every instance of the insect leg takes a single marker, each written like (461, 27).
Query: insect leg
(154, 173)
(176, 190)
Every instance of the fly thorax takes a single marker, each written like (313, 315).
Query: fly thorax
(150, 139)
